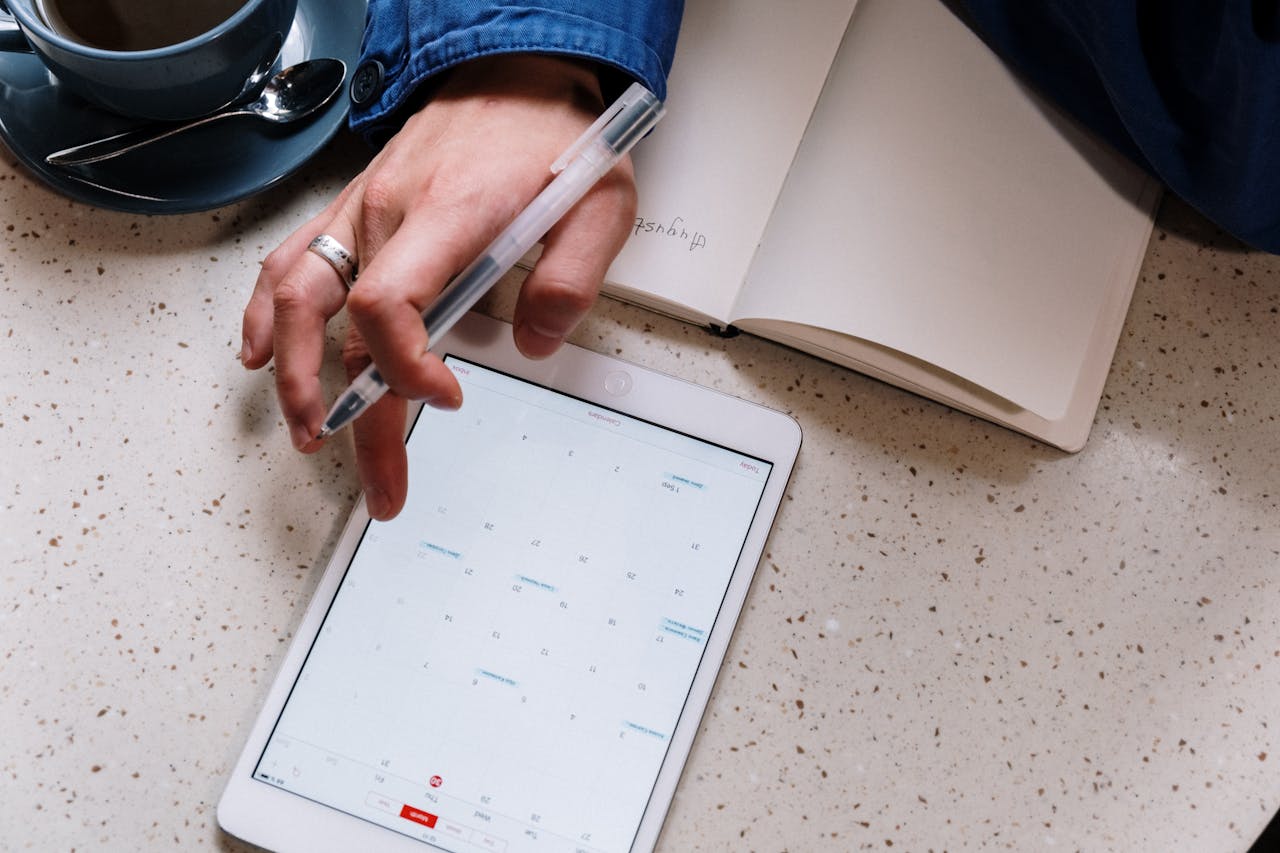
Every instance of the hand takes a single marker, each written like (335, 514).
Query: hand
(452, 178)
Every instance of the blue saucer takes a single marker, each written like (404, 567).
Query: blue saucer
(204, 168)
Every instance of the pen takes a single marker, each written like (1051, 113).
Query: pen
(577, 170)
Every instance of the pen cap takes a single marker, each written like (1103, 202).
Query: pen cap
(621, 126)
(635, 118)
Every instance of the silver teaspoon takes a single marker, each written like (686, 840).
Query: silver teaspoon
(291, 94)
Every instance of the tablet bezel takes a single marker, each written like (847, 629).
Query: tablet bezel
(279, 819)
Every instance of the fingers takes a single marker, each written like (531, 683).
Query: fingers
(387, 306)
(562, 286)
(302, 301)
(387, 309)
(381, 458)
(256, 327)
(258, 346)
(379, 441)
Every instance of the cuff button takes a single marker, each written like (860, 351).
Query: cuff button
(366, 83)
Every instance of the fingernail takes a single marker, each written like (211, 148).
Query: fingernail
(448, 402)
(537, 342)
(376, 501)
(246, 351)
(553, 334)
(300, 435)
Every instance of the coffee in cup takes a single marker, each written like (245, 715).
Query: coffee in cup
(134, 24)
(168, 60)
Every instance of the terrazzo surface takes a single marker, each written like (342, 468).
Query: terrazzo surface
(959, 639)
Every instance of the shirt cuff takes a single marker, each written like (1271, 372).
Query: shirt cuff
(506, 29)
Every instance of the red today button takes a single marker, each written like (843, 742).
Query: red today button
(427, 819)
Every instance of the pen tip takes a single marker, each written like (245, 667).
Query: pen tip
(323, 434)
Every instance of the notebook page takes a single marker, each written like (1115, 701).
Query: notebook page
(745, 78)
(938, 209)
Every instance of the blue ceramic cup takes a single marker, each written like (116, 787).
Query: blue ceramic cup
(190, 78)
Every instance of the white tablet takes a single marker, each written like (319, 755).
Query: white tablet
(520, 660)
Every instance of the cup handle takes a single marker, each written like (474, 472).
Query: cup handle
(11, 37)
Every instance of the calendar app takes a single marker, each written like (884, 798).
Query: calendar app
(505, 662)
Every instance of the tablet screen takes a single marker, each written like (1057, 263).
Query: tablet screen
(504, 664)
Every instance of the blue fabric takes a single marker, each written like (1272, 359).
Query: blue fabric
(416, 39)
(1189, 90)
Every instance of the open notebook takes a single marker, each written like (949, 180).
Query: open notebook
(865, 181)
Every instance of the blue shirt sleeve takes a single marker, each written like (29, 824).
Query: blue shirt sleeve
(406, 42)
(1190, 91)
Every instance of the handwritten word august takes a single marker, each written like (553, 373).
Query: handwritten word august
(676, 229)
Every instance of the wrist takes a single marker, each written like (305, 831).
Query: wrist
(526, 75)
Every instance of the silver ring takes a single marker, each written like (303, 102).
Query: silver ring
(337, 256)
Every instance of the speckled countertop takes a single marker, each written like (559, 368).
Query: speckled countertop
(959, 638)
